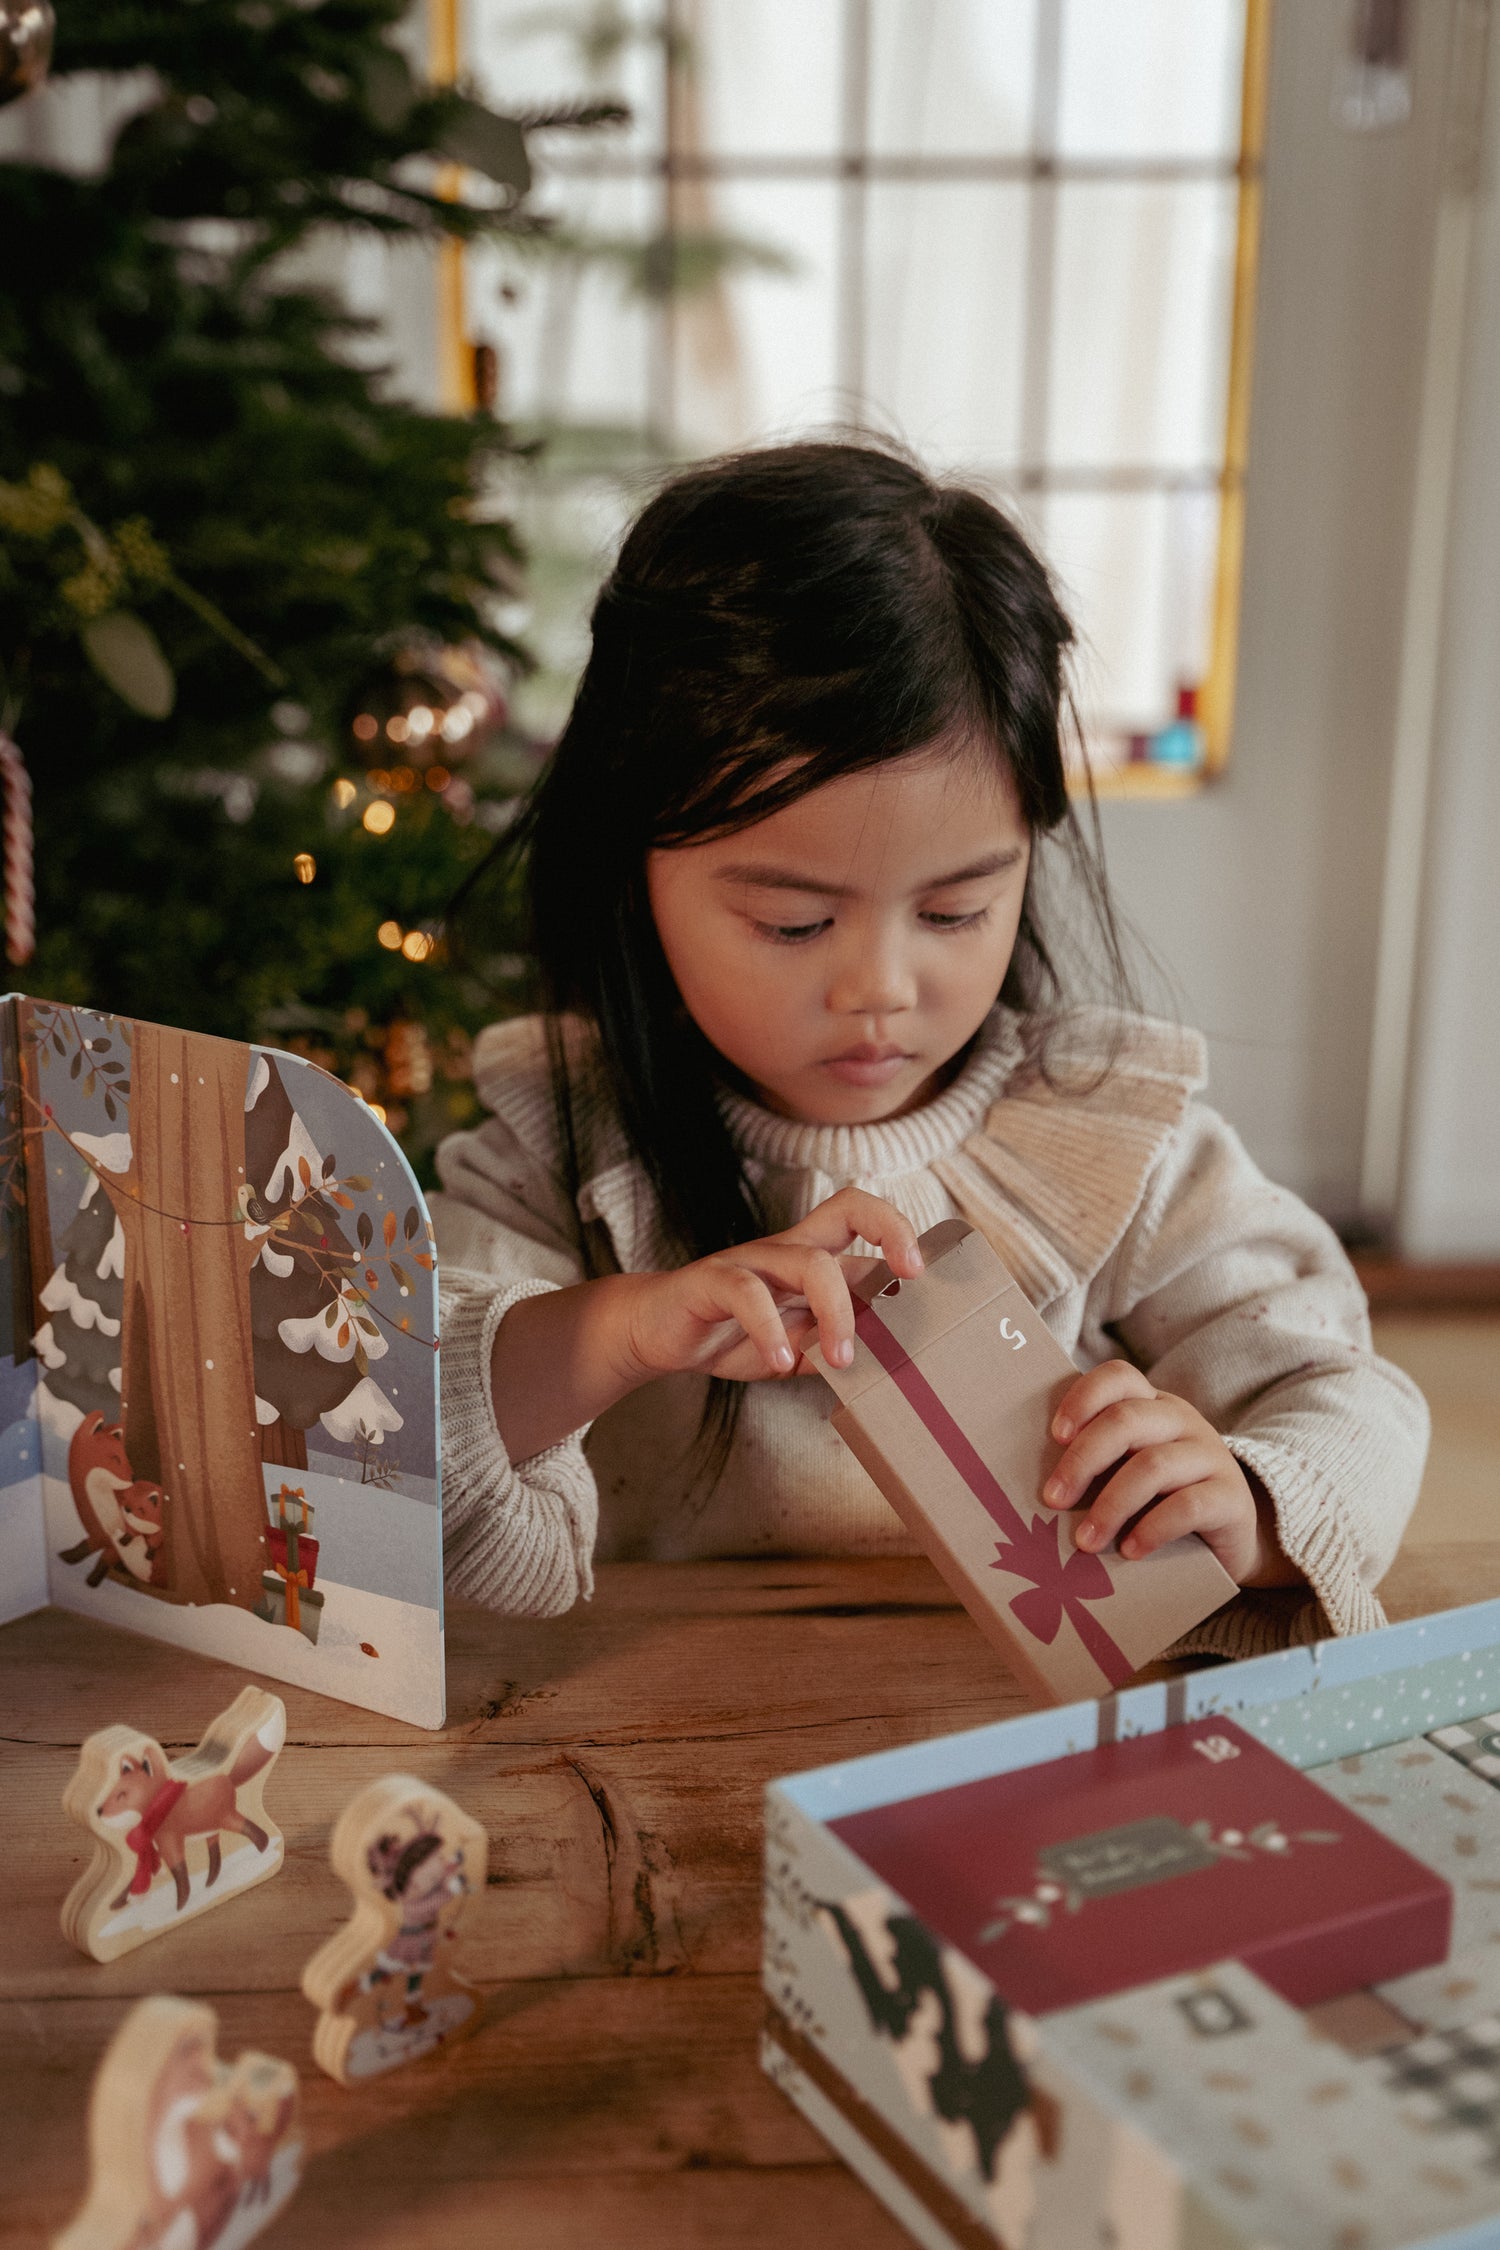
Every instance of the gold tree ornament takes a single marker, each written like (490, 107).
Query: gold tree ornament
(26, 32)
(385, 1984)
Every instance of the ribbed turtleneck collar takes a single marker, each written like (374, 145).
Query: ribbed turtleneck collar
(896, 1144)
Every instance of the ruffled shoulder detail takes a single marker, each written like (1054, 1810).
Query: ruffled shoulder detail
(513, 1078)
(1056, 1172)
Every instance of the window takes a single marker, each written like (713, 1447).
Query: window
(1016, 234)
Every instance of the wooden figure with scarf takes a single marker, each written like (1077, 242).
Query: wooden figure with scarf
(172, 1838)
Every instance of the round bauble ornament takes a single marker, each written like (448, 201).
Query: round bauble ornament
(426, 706)
(26, 28)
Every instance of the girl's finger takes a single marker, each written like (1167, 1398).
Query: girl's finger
(1114, 1431)
(726, 1291)
(1103, 1386)
(854, 1215)
(1145, 1477)
(1193, 1507)
(826, 1288)
(799, 1270)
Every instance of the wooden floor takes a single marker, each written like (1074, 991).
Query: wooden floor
(1455, 1360)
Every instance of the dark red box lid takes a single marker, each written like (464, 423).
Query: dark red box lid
(1151, 1857)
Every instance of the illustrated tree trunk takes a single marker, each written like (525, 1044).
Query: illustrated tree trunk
(189, 1393)
(283, 1444)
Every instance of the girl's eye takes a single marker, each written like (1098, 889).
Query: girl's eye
(956, 921)
(790, 933)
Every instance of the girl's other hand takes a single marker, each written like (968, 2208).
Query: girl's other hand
(1175, 1475)
(748, 1312)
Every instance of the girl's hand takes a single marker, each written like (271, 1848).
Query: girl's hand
(1174, 1466)
(748, 1311)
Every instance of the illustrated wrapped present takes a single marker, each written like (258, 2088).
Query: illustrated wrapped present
(289, 1597)
(284, 1602)
(948, 1406)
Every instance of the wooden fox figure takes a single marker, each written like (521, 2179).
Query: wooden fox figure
(185, 2152)
(172, 1839)
(385, 1983)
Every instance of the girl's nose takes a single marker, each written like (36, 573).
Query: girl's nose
(871, 977)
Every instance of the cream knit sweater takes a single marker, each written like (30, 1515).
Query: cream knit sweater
(1129, 1213)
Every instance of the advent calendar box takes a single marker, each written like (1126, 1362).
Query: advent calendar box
(948, 1405)
(1211, 1964)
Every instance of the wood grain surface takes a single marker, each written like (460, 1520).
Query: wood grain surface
(617, 1757)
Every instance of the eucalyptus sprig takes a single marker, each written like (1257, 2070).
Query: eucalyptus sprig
(98, 575)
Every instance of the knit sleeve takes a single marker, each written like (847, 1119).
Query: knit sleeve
(518, 1536)
(1231, 1293)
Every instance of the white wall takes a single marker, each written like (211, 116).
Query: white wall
(1450, 1206)
(1261, 897)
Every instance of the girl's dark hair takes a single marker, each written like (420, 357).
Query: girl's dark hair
(776, 620)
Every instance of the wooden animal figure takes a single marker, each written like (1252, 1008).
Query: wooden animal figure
(185, 2152)
(172, 1838)
(123, 1516)
(384, 1983)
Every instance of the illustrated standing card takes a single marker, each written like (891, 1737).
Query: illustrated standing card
(185, 2150)
(172, 1837)
(386, 1983)
(218, 1357)
(948, 1405)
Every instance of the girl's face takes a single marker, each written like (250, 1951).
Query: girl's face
(841, 952)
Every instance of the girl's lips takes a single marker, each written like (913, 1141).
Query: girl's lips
(867, 1066)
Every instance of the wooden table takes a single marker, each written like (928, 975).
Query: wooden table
(617, 1757)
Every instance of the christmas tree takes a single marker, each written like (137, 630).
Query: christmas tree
(314, 1335)
(250, 603)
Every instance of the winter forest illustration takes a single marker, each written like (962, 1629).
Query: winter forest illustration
(218, 1358)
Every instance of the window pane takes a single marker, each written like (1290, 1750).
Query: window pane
(755, 352)
(945, 317)
(574, 336)
(572, 526)
(1140, 345)
(769, 75)
(1136, 572)
(1151, 78)
(529, 57)
(951, 76)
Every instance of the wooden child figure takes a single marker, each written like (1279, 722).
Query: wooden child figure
(172, 1838)
(384, 1984)
(185, 2152)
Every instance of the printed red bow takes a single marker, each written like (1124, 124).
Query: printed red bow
(1027, 1550)
(1060, 1586)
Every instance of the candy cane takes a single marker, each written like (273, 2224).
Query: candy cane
(20, 891)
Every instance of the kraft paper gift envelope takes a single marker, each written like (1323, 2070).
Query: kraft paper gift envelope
(948, 1405)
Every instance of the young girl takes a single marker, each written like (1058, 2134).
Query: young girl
(787, 876)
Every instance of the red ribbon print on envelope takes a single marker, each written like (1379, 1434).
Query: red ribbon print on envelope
(1058, 1586)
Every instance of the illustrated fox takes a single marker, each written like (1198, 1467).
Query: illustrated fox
(122, 1514)
(170, 1811)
